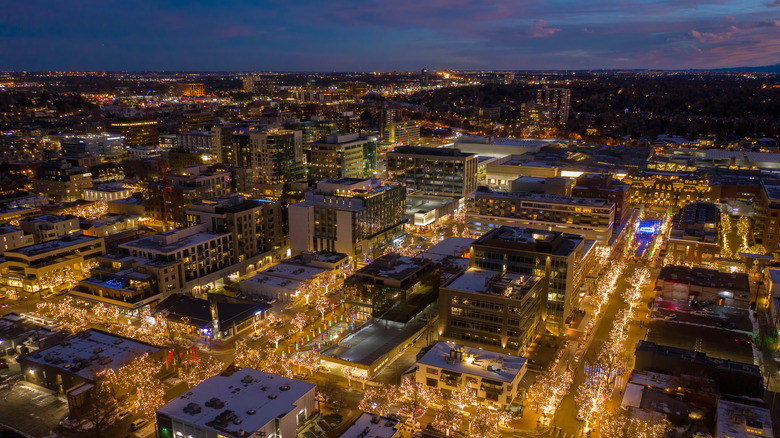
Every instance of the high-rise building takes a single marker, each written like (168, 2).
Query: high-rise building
(201, 144)
(95, 145)
(556, 102)
(402, 133)
(350, 122)
(561, 260)
(275, 158)
(434, 171)
(339, 156)
(169, 203)
(256, 84)
(424, 79)
(357, 217)
(136, 132)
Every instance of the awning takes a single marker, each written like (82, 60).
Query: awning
(451, 373)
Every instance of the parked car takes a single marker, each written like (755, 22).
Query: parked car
(122, 415)
(671, 316)
(699, 313)
(137, 424)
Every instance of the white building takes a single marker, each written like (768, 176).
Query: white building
(107, 192)
(494, 376)
(372, 426)
(12, 237)
(737, 420)
(247, 403)
(95, 145)
(49, 226)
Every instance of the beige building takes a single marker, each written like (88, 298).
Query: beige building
(433, 171)
(48, 226)
(338, 156)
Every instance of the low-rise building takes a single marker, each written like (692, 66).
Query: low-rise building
(108, 225)
(48, 226)
(693, 237)
(71, 365)
(740, 418)
(698, 284)
(242, 404)
(61, 181)
(36, 267)
(493, 376)
(107, 192)
(12, 237)
(374, 426)
(588, 217)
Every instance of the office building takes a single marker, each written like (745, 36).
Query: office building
(201, 144)
(195, 121)
(48, 226)
(494, 377)
(402, 133)
(669, 189)
(357, 217)
(555, 103)
(95, 145)
(425, 81)
(274, 157)
(589, 217)
(256, 225)
(340, 156)
(254, 84)
(193, 89)
(136, 132)
(693, 237)
(433, 171)
(561, 260)
(61, 181)
(267, 405)
(393, 288)
(491, 309)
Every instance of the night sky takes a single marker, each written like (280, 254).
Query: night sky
(370, 35)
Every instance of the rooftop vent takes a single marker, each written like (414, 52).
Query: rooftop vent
(251, 412)
(284, 388)
(272, 396)
(215, 403)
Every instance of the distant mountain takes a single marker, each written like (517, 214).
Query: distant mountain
(763, 69)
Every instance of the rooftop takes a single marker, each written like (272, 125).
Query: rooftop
(530, 239)
(90, 352)
(704, 277)
(493, 283)
(53, 218)
(172, 241)
(743, 419)
(474, 361)
(372, 426)
(53, 245)
(551, 199)
(298, 272)
(238, 404)
(451, 246)
(393, 266)
(423, 150)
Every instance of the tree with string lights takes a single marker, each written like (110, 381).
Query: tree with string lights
(416, 397)
(449, 418)
(198, 369)
(548, 391)
(378, 399)
(485, 422)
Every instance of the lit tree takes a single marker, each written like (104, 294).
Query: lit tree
(548, 391)
(261, 358)
(416, 397)
(65, 314)
(449, 417)
(140, 376)
(323, 305)
(590, 399)
(622, 425)
(300, 321)
(200, 369)
(464, 397)
(308, 360)
(274, 336)
(485, 422)
(101, 404)
(378, 399)
(350, 373)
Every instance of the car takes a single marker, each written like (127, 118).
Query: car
(3, 305)
(653, 315)
(701, 435)
(699, 313)
(137, 424)
(122, 415)
(706, 310)
(671, 316)
(742, 341)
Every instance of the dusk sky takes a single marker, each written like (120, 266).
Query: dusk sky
(371, 35)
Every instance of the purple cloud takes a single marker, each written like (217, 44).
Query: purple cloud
(540, 30)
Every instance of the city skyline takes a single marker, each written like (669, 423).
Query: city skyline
(374, 36)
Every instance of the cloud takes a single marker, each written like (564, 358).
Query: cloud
(770, 23)
(774, 3)
(540, 30)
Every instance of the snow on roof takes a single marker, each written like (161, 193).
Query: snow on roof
(293, 271)
(473, 280)
(376, 427)
(632, 396)
(485, 364)
(737, 420)
(254, 397)
(273, 281)
(452, 246)
(94, 349)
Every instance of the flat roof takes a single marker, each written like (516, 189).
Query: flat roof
(52, 245)
(735, 418)
(255, 398)
(273, 281)
(704, 277)
(90, 352)
(451, 246)
(154, 244)
(393, 265)
(552, 199)
(293, 271)
(482, 363)
(370, 425)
